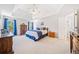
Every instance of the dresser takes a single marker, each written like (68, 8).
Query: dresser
(52, 34)
(6, 44)
(74, 43)
(23, 29)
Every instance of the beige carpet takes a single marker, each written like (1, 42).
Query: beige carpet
(47, 45)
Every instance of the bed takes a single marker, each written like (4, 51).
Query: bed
(37, 34)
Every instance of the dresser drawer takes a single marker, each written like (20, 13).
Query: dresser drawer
(76, 42)
(75, 49)
(52, 34)
(6, 45)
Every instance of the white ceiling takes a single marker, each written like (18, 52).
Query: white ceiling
(24, 10)
(67, 8)
(6, 8)
(44, 10)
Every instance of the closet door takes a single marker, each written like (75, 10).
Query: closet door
(69, 25)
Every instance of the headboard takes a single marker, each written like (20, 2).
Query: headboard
(42, 28)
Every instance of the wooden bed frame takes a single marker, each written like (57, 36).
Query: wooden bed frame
(43, 35)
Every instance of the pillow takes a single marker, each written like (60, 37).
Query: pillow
(38, 28)
(44, 28)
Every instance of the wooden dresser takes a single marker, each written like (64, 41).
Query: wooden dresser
(23, 29)
(6, 45)
(74, 43)
(52, 34)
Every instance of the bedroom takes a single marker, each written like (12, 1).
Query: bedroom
(37, 28)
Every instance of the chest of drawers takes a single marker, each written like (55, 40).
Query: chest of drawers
(74, 44)
(52, 34)
(6, 45)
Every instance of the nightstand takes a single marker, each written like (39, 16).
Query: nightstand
(52, 34)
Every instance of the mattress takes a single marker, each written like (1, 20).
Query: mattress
(43, 32)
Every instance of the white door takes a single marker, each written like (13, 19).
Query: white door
(69, 25)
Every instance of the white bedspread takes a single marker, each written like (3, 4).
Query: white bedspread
(35, 34)
(32, 33)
